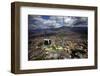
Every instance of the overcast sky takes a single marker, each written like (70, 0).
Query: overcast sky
(43, 22)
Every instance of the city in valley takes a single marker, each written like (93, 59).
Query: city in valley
(54, 37)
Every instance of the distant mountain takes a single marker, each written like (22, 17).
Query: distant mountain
(52, 31)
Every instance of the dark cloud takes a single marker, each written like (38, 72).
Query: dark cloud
(38, 21)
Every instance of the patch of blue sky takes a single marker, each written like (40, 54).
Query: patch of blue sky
(45, 17)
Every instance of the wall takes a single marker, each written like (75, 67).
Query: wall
(5, 33)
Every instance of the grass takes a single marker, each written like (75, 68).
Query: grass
(53, 48)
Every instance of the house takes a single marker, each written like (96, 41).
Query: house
(47, 41)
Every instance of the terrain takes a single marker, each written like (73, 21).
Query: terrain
(66, 43)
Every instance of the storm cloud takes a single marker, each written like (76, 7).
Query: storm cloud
(43, 22)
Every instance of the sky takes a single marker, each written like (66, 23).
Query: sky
(46, 21)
